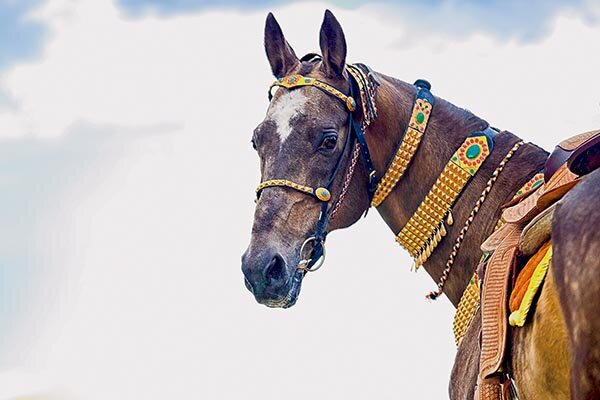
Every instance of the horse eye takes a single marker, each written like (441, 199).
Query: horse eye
(329, 142)
(253, 143)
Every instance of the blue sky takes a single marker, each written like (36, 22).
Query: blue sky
(19, 38)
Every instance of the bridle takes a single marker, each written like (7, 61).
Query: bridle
(427, 226)
(363, 78)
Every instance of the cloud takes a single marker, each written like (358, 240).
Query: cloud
(127, 180)
(513, 18)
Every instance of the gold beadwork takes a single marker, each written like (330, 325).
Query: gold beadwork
(368, 103)
(407, 149)
(467, 307)
(293, 81)
(469, 221)
(420, 234)
(320, 193)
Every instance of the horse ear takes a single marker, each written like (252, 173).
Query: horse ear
(279, 52)
(333, 45)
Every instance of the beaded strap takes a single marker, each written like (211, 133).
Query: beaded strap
(425, 229)
(466, 309)
(320, 192)
(293, 81)
(408, 147)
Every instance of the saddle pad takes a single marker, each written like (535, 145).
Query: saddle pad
(528, 283)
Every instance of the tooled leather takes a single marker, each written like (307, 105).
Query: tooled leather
(518, 212)
(491, 243)
(574, 142)
(560, 183)
(489, 389)
(494, 303)
(556, 188)
(568, 150)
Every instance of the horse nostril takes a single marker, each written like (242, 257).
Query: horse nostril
(275, 272)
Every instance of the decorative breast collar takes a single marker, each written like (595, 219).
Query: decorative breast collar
(427, 226)
(425, 229)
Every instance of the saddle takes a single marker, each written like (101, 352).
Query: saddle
(526, 232)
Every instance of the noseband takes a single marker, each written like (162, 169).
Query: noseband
(364, 79)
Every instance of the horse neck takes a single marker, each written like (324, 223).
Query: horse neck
(446, 131)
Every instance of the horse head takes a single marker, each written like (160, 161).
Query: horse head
(306, 147)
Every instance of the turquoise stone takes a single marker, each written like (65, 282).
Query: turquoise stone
(420, 118)
(307, 80)
(292, 79)
(280, 79)
(473, 151)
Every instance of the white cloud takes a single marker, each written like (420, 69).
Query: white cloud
(143, 295)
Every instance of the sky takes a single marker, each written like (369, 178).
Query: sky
(127, 180)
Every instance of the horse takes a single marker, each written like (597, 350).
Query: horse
(324, 146)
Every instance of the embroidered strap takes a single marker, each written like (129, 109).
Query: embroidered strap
(294, 81)
(425, 229)
(408, 147)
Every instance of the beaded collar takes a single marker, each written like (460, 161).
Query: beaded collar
(410, 142)
(425, 229)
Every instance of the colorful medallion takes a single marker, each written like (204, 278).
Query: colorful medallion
(420, 115)
(472, 154)
(322, 194)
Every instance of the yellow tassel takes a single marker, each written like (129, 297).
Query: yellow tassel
(518, 317)
(438, 236)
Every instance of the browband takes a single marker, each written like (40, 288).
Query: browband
(293, 81)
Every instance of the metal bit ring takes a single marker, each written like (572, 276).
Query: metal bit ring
(304, 264)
